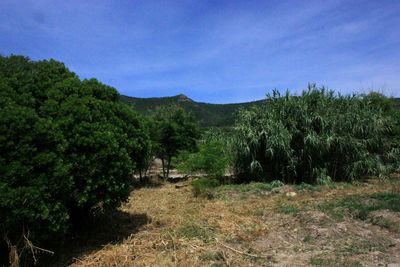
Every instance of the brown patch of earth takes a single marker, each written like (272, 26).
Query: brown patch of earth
(245, 229)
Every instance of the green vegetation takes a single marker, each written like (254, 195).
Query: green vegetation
(357, 206)
(287, 208)
(360, 206)
(321, 261)
(173, 130)
(307, 187)
(203, 186)
(69, 146)
(252, 186)
(211, 159)
(317, 137)
(209, 115)
(195, 230)
(66, 146)
(209, 187)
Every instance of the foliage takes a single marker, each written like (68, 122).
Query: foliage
(173, 130)
(361, 205)
(209, 115)
(212, 158)
(202, 186)
(66, 146)
(318, 136)
(146, 157)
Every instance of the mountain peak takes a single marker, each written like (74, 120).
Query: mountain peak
(182, 97)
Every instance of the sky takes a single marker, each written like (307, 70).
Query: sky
(213, 51)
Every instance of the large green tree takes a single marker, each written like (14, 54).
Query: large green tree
(173, 130)
(66, 145)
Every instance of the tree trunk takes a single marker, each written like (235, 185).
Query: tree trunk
(140, 176)
(168, 166)
(163, 168)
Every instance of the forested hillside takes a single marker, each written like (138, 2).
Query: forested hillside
(217, 115)
(209, 115)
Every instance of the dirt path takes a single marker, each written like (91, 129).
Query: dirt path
(247, 229)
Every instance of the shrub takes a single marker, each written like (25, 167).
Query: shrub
(66, 145)
(318, 136)
(211, 159)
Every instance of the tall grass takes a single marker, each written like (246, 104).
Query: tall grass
(319, 136)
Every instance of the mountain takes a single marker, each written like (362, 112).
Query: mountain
(217, 115)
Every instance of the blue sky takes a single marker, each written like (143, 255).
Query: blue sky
(213, 51)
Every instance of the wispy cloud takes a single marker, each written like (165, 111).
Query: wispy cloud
(214, 51)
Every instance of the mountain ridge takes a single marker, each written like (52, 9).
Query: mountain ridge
(208, 114)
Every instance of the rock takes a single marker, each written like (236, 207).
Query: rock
(281, 189)
(341, 227)
(291, 194)
(181, 185)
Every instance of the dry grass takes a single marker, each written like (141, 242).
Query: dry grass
(246, 229)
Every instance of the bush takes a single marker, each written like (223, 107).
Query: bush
(316, 137)
(66, 146)
(211, 159)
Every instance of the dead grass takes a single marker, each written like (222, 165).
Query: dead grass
(244, 229)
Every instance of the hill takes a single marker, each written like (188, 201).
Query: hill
(218, 115)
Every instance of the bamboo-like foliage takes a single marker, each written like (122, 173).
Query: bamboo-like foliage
(315, 137)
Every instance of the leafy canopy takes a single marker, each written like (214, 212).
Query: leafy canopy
(66, 145)
(173, 130)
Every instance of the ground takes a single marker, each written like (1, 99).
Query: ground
(336, 225)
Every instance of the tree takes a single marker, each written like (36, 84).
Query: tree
(145, 158)
(173, 130)
(66, 145)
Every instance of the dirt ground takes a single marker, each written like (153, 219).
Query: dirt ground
(163, 225)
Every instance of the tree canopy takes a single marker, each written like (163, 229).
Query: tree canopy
(66, 145)
(173, 130)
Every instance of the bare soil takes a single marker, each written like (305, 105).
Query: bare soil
(166, 226)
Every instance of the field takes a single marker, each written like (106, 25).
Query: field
(250, 225)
